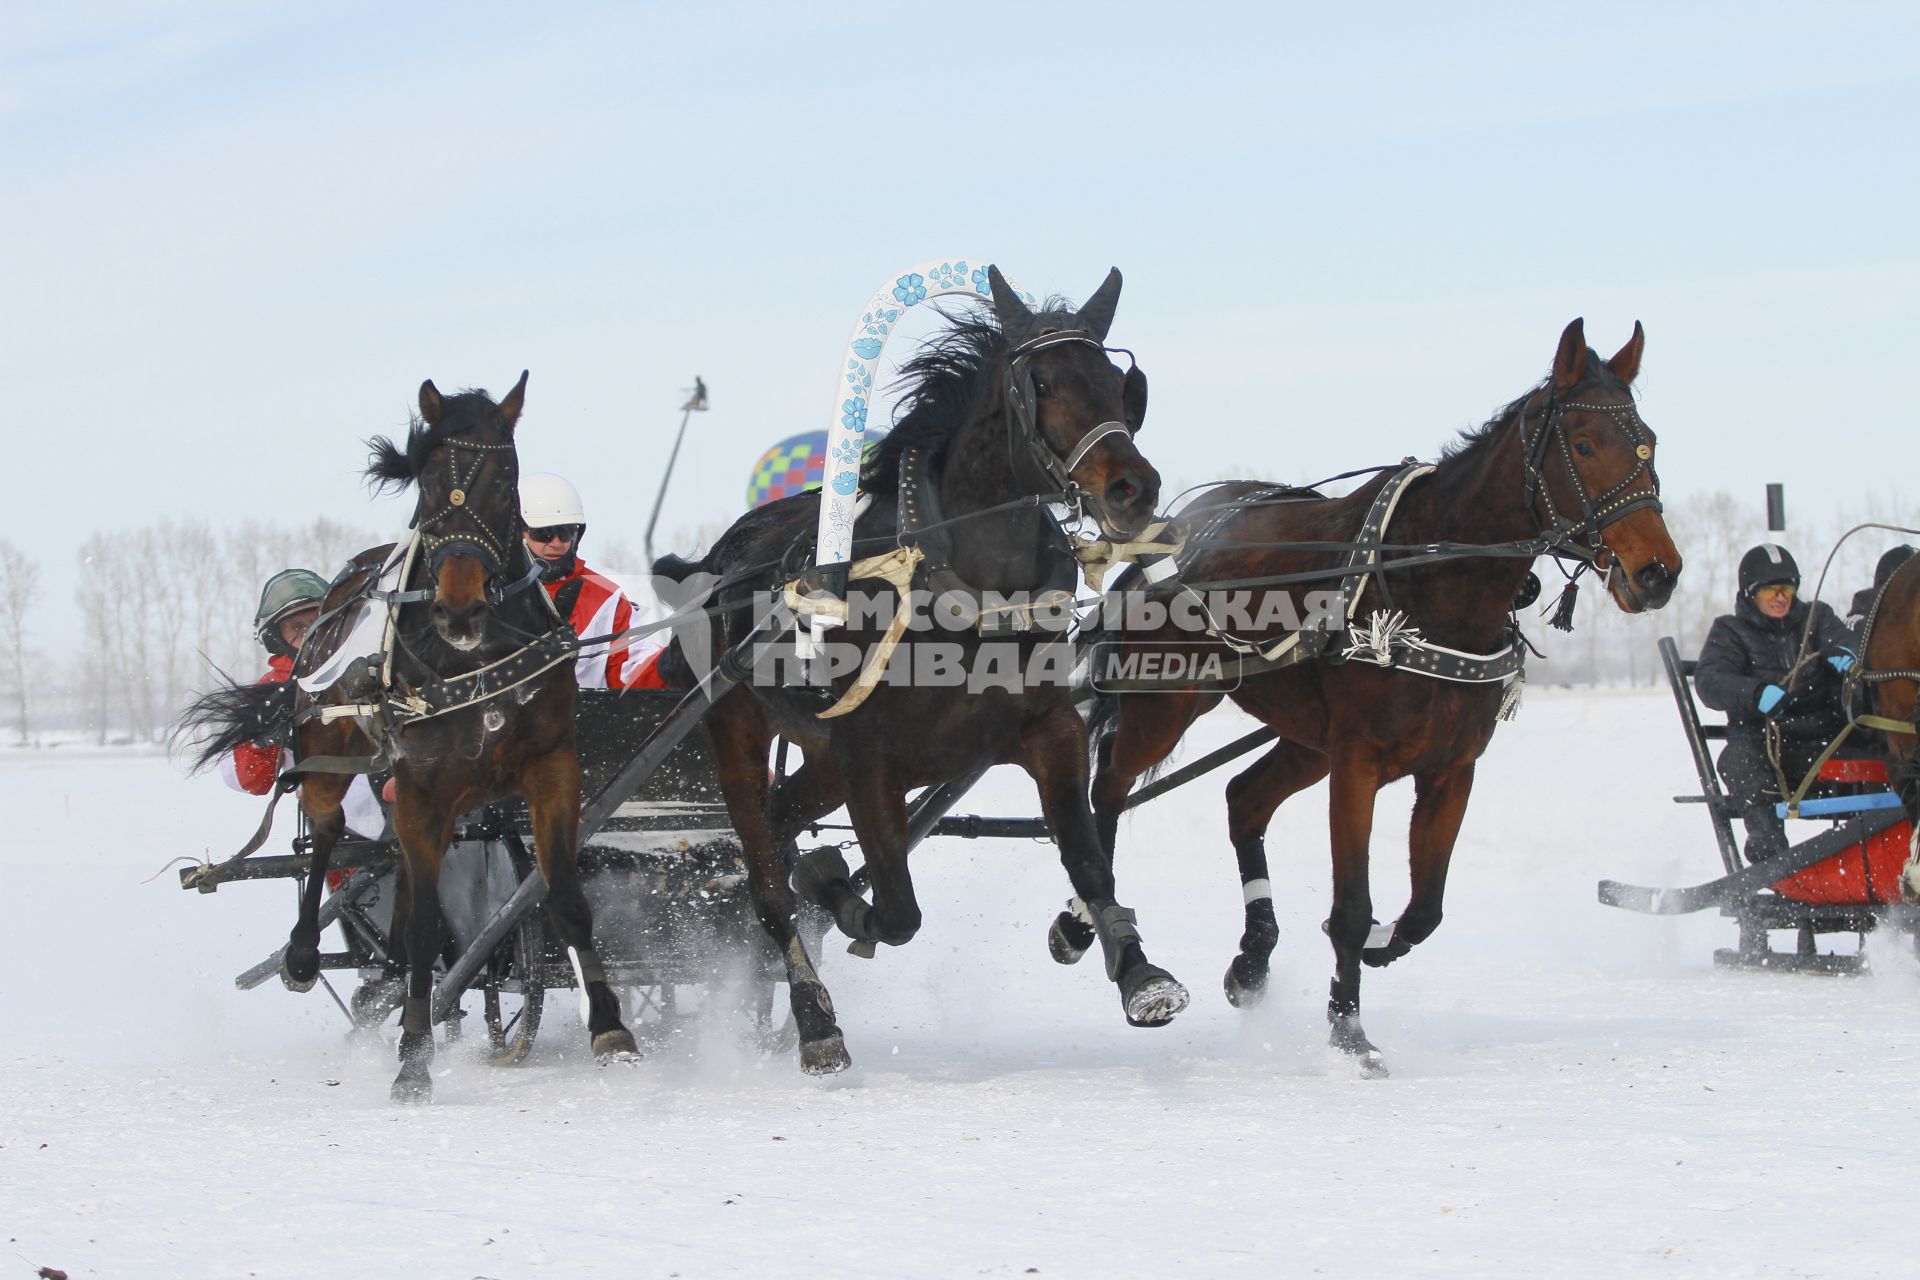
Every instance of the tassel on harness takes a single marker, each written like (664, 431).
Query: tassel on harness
(1562, 619)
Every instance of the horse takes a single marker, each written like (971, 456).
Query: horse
(470, 601)
(1393, 709)
(1000, 412)
(1889, 669)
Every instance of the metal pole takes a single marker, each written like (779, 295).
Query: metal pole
(697, 402)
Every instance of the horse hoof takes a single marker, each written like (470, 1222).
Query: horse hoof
(815, 869)
(375, 999)
(1245, 987)
(1349, 1039)
(412, 1091)
(615, 1046)
(825, 1056)
(301, 985)
(1153, 1000)
(1068, 938)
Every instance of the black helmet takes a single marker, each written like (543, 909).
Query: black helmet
(1765, 565)
(1890, 564)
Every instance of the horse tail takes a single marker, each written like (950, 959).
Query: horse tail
(232, 715)
(677, 568)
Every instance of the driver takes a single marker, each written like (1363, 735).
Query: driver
(1743, 671)
(556, 522)
(289, 606)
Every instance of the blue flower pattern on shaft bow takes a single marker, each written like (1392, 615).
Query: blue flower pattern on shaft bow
(910, 288)
(950, 275)
(853, 413)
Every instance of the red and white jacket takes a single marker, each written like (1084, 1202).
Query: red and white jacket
(252, 768)
(602, 609)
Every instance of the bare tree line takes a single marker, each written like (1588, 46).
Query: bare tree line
(165, 606)
(1712, 529)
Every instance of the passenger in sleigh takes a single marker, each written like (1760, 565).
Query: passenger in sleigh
(1743, 671)
(1863, 599)
(556, 522)
(289, 605)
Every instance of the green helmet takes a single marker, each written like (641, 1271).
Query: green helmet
(286, 592)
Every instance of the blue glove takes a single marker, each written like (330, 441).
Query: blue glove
(1840, 661)
(1770, 697)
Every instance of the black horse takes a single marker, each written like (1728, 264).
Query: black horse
(995, 414)
(475, 605)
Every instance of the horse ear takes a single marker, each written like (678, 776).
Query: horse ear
(1014, 315)
(1626, 361)
(516, 400)
(1096, 313)
(1134, 397)
(429, 402)
(1570, 362)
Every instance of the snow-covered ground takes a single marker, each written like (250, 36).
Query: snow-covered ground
(1575, 1091)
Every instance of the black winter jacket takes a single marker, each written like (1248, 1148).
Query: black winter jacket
(1746, 651)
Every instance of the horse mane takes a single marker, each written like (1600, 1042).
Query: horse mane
(1598, 374)
(941, 386)
(390, 466)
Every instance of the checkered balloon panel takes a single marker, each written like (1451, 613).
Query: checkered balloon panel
(795, 465)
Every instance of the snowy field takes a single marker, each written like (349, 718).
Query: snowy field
(1575, 1091)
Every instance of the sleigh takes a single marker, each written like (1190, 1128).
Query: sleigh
(1841, 877)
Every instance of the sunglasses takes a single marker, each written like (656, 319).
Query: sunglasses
(554, 533)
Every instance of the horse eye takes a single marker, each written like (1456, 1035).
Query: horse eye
(1584, 449)
(1040, 388)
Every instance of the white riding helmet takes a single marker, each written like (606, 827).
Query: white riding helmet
(547, 499)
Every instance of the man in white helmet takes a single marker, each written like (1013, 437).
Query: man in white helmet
(556, 522)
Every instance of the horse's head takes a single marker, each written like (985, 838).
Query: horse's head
(1590, 472)
(1077, 411)
(460, 456)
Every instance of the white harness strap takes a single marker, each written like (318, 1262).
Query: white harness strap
(1092, 438)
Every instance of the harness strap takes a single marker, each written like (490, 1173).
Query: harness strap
(896, 568)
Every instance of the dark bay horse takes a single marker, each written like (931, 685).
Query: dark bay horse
(995, 412)
(472, 600)
(1890, 670)
(1569, 462)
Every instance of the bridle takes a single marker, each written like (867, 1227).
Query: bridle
(1584, 540)
(1024, 421)
(472, 537)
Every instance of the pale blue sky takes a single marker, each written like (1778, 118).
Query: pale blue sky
(239, 235)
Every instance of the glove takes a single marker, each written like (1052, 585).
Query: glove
(1770, 697)
(1840, 661)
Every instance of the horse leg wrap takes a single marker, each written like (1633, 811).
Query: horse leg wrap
(586, 966)
(586, 971)
(1114, 925)
(416, 1015)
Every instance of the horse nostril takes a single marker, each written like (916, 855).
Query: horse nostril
(1652, 574)
(1123, 490)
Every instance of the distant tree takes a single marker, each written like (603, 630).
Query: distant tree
(19, 588)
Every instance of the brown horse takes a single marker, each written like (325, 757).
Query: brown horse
(999, 413)
(470, 599)
(1566, 468)
(1890, 670)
